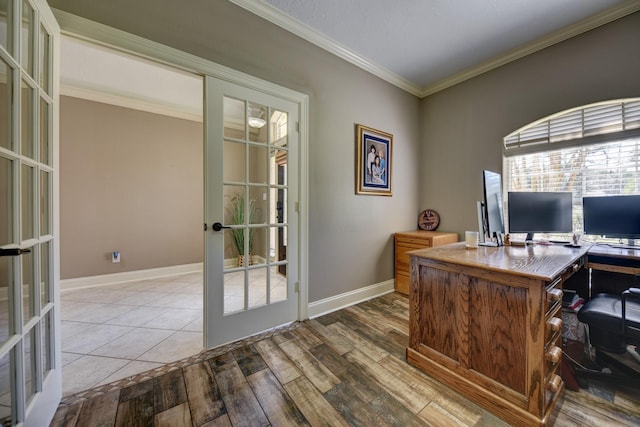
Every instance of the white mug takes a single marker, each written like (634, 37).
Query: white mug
(471, 239)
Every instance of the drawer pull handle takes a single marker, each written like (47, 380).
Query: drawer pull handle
(554, 354)
(554, 294)
(554, 324)
(576, 267)
(554, 383)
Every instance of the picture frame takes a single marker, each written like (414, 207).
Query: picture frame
(374, 157)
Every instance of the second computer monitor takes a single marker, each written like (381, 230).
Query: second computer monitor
(540, 212)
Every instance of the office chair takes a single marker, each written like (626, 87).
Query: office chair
(614, 320)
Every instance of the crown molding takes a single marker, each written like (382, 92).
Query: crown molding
(279, 18)
(106, 96)
(595, 21)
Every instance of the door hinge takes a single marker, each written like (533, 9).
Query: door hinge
(297, 286)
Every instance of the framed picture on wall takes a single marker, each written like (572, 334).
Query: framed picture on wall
(373, 161)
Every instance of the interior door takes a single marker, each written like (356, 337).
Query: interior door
(30, 371)
(251, 190)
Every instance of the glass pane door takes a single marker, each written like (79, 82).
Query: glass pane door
(251, 263)
(30, 383)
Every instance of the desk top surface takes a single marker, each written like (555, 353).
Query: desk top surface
(610, 251)
(536, 261)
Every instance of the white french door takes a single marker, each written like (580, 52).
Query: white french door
(30, 372)
(251, 193)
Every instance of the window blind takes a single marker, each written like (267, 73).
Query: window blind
(580, 126)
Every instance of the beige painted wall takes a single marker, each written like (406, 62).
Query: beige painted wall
(350, 236)
(130, 181)
(462, 127)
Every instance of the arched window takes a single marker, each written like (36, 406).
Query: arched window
(592, 150)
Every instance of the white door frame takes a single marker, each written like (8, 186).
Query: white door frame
(100, 34)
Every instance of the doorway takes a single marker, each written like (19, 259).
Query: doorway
(131, 182)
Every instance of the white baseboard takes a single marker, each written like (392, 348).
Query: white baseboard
(337, 302)
(129, 276)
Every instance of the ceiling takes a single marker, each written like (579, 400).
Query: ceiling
(424, 46)
(421, 46)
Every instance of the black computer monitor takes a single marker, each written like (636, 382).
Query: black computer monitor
(612, 216)
(540, 212)
(492, 183)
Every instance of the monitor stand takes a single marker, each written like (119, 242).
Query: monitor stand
(529, 238)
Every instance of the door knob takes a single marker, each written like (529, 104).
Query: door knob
(14, 252)
(217, 226)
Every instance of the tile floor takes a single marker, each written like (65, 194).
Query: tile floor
(114, 331)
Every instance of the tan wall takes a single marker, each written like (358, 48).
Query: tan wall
(350, 236)
(129, 181)
(462, 128)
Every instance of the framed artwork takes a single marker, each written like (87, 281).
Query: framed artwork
(373, 161)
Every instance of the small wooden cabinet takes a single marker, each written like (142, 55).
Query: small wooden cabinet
(410, 241)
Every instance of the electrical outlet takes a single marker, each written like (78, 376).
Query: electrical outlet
(115, 256)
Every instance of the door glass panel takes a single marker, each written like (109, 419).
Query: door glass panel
(6, 278)
(46, 343)
(258, 172)
(26, 32)
(4, 18)
(45, 43)
(233, 291)
(277, 205)
(234, 204)
(26, 139)
(5, 390)
(27, 202)
(27, 287)
(277, 161)
(5, 110)
(233, 118)
(279, 128)
(45, 213)
(258, 244)
(45, 271)
(258, 205)
(44, 132)
(29, 365)
(257, 287)
(278, 282)
(6, 201)
(234, 162)
(257, 119)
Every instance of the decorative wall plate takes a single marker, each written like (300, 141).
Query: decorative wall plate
(428, 220)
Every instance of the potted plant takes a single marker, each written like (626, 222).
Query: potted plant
(238, 212)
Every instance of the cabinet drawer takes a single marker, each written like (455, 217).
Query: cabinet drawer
(419, 242)
(402, 283)
(553, 327)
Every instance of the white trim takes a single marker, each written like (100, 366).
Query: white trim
(125, 101)
(338, 302)
(129, 276)
(279, 18)
(595, 21)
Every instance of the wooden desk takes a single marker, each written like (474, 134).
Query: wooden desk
(487, 322)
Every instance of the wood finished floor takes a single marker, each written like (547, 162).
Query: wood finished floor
(345, 368)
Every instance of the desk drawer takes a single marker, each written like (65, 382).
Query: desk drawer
(553, 296)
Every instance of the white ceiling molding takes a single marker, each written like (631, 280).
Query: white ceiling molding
(277, 17)
(564, 34)
(128, 101)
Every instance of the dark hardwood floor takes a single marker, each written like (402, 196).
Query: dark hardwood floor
(344, 368)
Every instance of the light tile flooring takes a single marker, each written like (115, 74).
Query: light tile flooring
(115, 331)
(112, 332)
